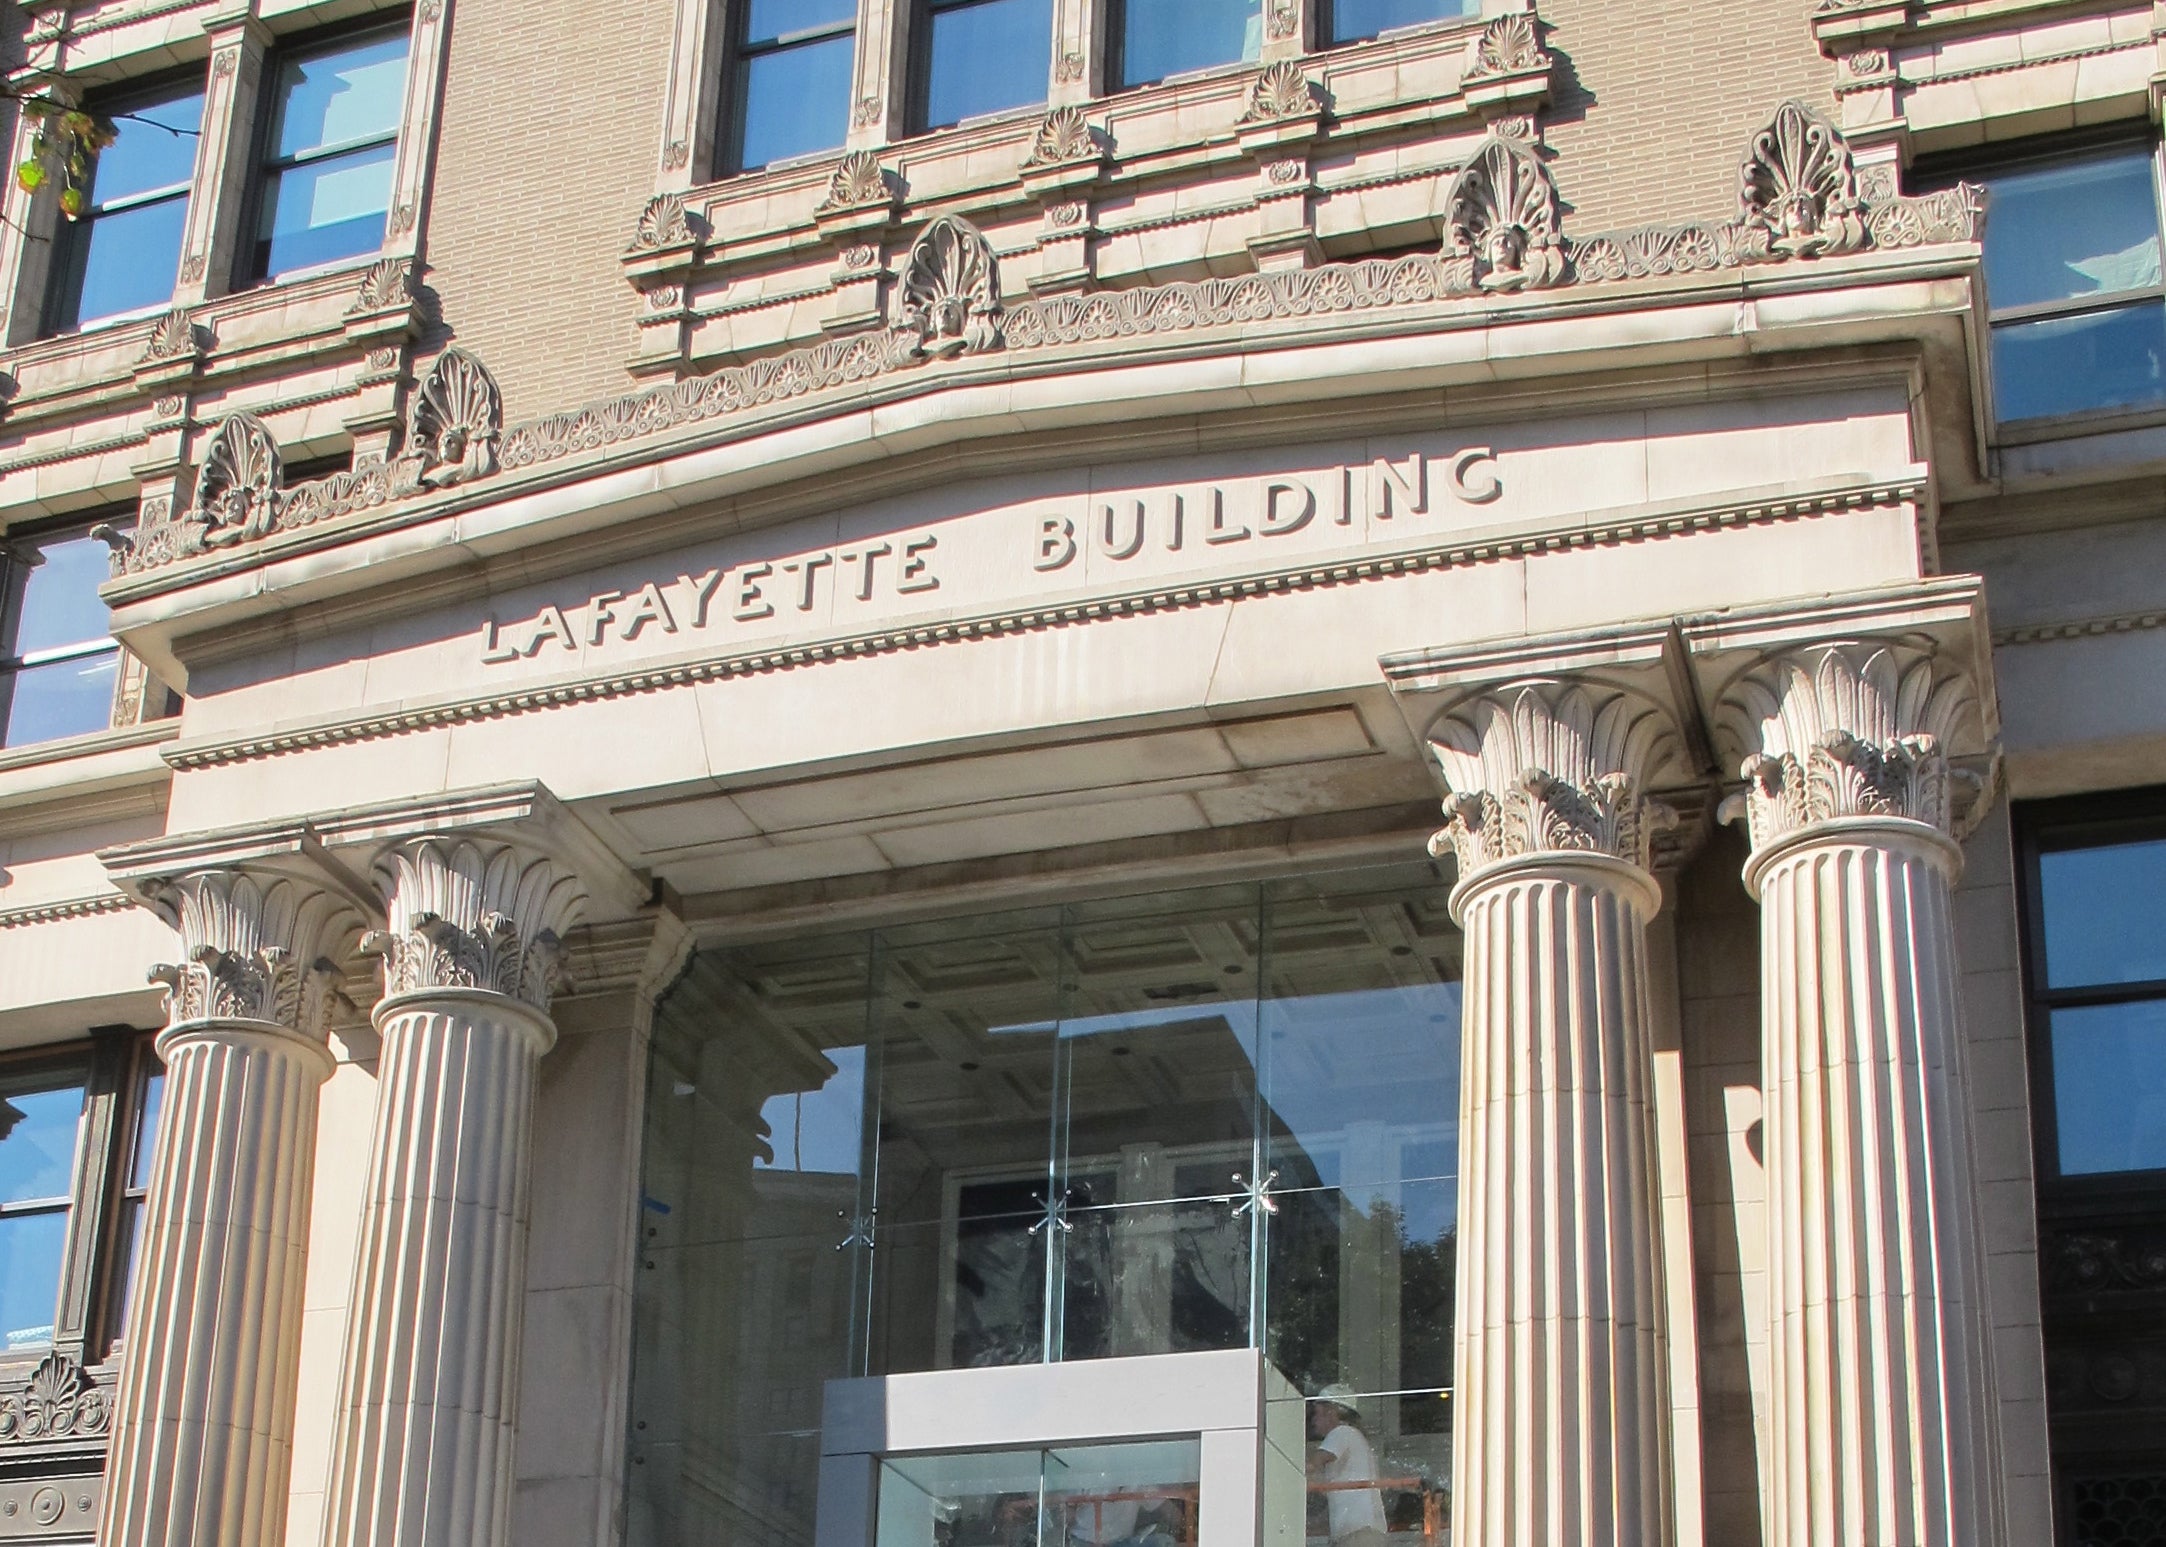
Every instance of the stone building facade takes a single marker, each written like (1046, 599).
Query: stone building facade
(719, 805)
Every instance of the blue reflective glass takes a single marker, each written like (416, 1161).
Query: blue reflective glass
(1353, 20)
(986, 57)
(2101, 909)
(31, 1247)
(2072, 229)
(326, 210)
(1165, 37)
(146, 1130)
(341, 97)
(37, 1141)
(126, 261)
(766, 20)
(793, 102)
(60, 596)
(154, 146)
(2068, 365)
(2109, 1087)
(66, 698)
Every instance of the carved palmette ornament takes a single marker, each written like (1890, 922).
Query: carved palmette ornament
(58, 1402)
(1550, 767)
(1064, 136)
(1799, 187)
(1500, 215)
(457, 420)
(1280, 91)
(236, 495)
(388, 283)
(1507, 46)
(858, 182)
(950, 296)
(172, 337)
(662, 223)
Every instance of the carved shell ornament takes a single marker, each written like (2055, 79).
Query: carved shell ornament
(1508, 46)
(951, 291)
(859, 181)
(1281, 91)
(1799, 187)
(662, 223)
(1501, 215)
(172, 338)
(457, 420)
(59, 1401)
(236, 493)
(1064, 136)
(389, 282)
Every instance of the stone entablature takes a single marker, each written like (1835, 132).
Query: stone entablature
(1798, 202)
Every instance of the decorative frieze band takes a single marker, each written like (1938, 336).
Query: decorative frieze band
(1551, 767)
(58, 1401)
(1798, 199)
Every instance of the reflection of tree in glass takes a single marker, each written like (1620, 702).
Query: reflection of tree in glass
(1302, 1337)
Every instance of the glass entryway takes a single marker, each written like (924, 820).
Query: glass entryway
(1221, 1118)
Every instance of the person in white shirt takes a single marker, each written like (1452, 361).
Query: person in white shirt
(1342, 1455)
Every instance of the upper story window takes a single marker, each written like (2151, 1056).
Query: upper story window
(981, 56)
(329, 145)
(76, 1133)
(59, 663)
(1352, 21)
(790, 87)
(2073, 285)
(1152, 39)
(123, 253)
(2098, 992)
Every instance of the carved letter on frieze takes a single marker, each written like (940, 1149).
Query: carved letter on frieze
(1548, 766)
(474, 914)
(1852, 729)
(950, 295)
(457, 420)
(1500, 215)
(237, 485)
(1799, 187)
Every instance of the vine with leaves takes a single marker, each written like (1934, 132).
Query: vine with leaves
(64, 143)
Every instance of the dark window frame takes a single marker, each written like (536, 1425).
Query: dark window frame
(116, 1064)
(15, 573)
(1981, 163)
(2048, 826)
(730, 110)
(919, 76)
(265, 166)
(62, 312)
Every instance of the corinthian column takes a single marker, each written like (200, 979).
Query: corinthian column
(1879, 1382)
(203, 1439)
(429, 1392)
(1561, 1404)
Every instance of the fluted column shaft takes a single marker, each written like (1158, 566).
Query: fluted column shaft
(430, 1386)
(203, 1437)
(1880, 1384)
(1869, 1235)
(1561, 1410)
(431, 1363)
(203, 1430)
(1561, 1418)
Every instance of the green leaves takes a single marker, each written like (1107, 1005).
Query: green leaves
(67, 141)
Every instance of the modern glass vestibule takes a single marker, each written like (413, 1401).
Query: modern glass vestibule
(1214, 1119)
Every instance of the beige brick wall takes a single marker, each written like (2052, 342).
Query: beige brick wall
(1653, 110)
(551, 121)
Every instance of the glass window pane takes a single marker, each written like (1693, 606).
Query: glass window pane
(146, 1132)
(2109, 1087)
(64, 698)
(988, 1500)
(325, 210)
(1352, 20)
(1165, 37)
(1099, 1495)
(60, 598)
(981, 57)
(131, 1220)
(1400, 1468)
(2102, 908)
(31, 1246)
(793, 102)
(38, 1123)
(766, 20)
(123, 262)
(154, 146)
(340, 98)
(2073, 229)
(2066, 365)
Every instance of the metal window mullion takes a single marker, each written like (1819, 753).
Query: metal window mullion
(30, 1208)
(2077, 306)
(135, 201)
(58, 655)
(302, 158)
(788, 40)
